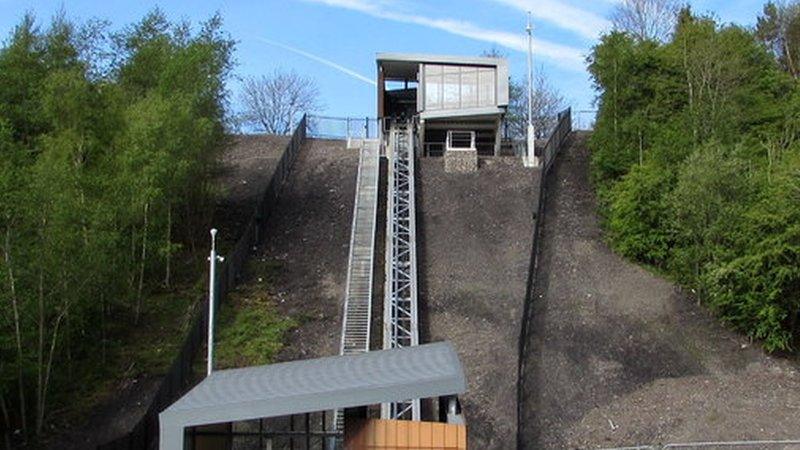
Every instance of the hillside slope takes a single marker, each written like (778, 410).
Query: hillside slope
(474, 240)
(617, 356)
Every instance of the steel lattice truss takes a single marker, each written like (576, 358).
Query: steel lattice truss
(400, 301)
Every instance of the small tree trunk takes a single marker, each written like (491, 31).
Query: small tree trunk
(47, 370)
(169, 246)
(142, 265)
(103, 327)
(68, 331)
(641, 157)
(40, 352)
(6, 420)
(17, 333)
(789, 60)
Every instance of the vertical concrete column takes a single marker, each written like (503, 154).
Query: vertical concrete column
(498, 138)
(421, 137)
(381, 87)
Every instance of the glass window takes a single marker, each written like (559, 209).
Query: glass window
(451, 90)
(433, 87)
(453, 87)
(433, 69)
(469, 88)
(486, 87)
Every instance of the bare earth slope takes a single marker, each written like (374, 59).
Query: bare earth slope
(308, 241)
(474, 242)
(617, 356)
(246, 168)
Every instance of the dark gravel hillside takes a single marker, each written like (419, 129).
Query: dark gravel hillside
(620, 357)
(474, 241)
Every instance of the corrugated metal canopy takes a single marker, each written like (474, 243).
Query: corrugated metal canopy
(298, 387)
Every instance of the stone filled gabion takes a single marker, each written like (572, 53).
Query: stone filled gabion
(460, 161)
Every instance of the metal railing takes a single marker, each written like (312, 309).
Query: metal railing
(327, 127)
(180, 376)
(549, 153)
(555, 141)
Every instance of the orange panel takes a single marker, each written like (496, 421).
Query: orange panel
(438, 435)
(413, 437)
(376, 434)
(462, 437)
(425, 435)
(391, 434)
(450, 437)
(402, 433)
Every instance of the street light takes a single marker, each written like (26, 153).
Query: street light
(213, 258)
(530, 160)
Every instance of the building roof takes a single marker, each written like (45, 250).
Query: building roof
(440, 59)
(298, 387)
(404, 65)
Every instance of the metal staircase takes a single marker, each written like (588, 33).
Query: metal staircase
(358, 294)
(400, 326)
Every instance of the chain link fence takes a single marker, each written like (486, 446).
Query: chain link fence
(327, 127)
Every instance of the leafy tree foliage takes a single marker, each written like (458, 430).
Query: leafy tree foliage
(779, 29)
(106, 145)
(696, 155)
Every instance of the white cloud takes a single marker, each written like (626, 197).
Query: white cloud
(321, 60)
(568, 57)
(577, 20)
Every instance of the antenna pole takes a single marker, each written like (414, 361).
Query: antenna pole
(531, 160)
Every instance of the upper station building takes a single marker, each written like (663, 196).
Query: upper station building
(459, 101)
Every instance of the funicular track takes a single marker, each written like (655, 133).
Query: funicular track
(400, 321)
(358, 292)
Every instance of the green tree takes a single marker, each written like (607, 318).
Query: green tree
(694, 156)
(105, 156)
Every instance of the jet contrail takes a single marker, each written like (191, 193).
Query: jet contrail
(320, 60)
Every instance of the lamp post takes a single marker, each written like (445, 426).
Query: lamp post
(213, 258)
(530, 160)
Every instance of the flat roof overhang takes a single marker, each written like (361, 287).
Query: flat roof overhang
(488, 113)
(403, 66)
(321, 384)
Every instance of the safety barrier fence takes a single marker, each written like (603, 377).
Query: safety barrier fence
(327, 127)
(548, 156)
(144, 435)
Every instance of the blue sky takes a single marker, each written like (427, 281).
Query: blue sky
(335, 41)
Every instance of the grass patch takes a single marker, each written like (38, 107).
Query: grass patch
(251, 330)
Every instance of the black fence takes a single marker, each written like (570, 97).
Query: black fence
(144, 435)
(548, 156)
(327, 127)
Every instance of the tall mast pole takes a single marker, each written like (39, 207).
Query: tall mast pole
(531, 159)
(213, 258)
